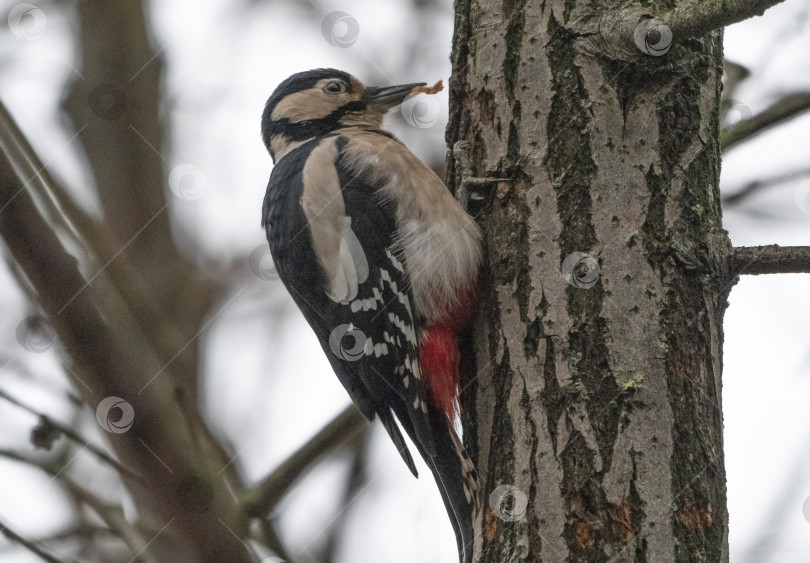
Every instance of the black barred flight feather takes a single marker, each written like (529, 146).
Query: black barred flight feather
(381, 308)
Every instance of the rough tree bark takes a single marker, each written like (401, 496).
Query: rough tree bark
(595, 418)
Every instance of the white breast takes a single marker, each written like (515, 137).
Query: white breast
(440, 241)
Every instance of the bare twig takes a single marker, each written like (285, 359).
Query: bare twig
(113, 516)
(265, 495)
(39, 179)
(267, 534)
(74, 436)
(83, 531)
(699, 17)
(751, 188)
(735, 74)
(624, 33)
(771, 259)
(355, 483)
(29, 545)
(782, 110)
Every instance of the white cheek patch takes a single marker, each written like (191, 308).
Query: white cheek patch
(309, 104)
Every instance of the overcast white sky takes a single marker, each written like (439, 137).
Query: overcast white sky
(269, 386)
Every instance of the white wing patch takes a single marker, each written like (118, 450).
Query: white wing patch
(338, 250)
(353, 262)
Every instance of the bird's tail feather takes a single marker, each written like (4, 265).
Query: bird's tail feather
(456, 478)
(391, 427)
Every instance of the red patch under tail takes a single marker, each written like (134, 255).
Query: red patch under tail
(439, 355)
(438, 361)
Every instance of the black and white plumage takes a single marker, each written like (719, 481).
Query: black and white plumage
(381, 260)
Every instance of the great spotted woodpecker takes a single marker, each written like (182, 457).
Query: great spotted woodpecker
(383, 263)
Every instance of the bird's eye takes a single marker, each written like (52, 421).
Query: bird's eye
(335, 87)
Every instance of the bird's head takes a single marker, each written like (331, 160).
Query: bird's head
(316, 102)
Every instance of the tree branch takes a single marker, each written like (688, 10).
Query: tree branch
(74, 436)
(771, 259)
(79, 532)
(113, 516)
(30, 546)
(111, 368)
(782, 110)
(629, 32)
(137, 308)
(356, 482)
(751, 188)
(39, 180)
(100, 244)
(734, 74)
(115, 106)
(702, 16)
(264, 496)
(267, 534)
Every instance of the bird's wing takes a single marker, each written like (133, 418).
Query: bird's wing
(339, 240)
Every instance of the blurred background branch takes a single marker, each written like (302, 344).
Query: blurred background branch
(107, 372)
(752, 188)
(266, 495)
(782, 110)
(29, 545)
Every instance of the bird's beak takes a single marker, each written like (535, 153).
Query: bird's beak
(386, 97)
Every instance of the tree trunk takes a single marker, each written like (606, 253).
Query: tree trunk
(595, 418)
